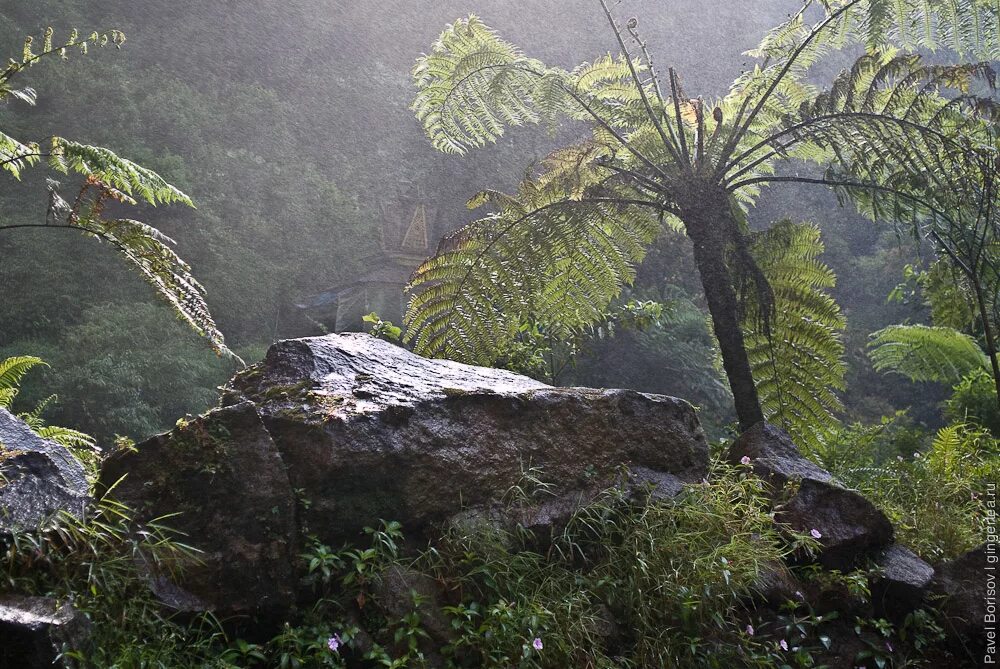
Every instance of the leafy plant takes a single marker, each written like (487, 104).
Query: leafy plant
(12, 370)
(798, 366)
(562, 247)
(923, 353)
(108, 181)
(100, 562)
(382, 329)
(932, 496)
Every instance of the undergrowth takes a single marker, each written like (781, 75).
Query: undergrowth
(628, 581)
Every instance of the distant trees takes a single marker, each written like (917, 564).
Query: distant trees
(902, 139)
(109, 181)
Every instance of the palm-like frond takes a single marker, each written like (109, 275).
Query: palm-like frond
(473, 83)
(145, 248)
(103, 166)
(923, 353)
(883, 128)
(12, 370)
(108, 178)
(799, 368)
(556, 253)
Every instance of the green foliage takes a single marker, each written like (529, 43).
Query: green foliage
(923, 353)
(12, 370)
(672, 575)
(933, 496)
(108, 179)
(550, 354)
(382, 329)
(798, 367)
(890, 140)
(97, 563)
(974, 400)
(467, 60)
(127, 369)
(509, 268)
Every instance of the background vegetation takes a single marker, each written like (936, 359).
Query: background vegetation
(315, 139)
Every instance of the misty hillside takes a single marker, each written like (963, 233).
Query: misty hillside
(578, 334)
(291, 130)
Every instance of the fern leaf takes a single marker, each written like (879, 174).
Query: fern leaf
(556, 253)
(12, 370)
(923, 353)
(799, 368)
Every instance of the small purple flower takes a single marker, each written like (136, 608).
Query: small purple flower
(537, 644)
(334, 643)
(783, 644)
(745, 460)
(888, 647)
(816, 534)
(750, 630)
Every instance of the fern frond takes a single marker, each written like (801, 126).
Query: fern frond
(799, 368)
(473, 83)
(923, 353)
(556, 253)
(71, 439)
(12, 370)
(148, 251)
(104, 166)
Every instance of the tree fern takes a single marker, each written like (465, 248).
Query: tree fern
(905, 141)
(799, 367)
(107, 178)
(923, 353)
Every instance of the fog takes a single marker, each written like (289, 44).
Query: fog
(289, 125)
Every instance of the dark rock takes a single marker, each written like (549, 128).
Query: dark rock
(810, 499)
(774, 457)
(902, 582)
(400, 591)
(962, 586)
(850, 525)
(38, 478)
(369, 430)
(776, 585)
(658, 486)
(224, 477)
(34, 631)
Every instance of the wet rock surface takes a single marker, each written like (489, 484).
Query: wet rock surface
(38, 478)
(369, 430)
(358, 430)
(961, 584)
(34, 631)
(902, 582)
(223, 476)
(808, 498)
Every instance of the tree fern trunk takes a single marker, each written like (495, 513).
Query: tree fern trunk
(991, 343)
(709, 224)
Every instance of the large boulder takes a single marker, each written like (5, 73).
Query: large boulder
(38, 478)
(370, 431)
(223, 476)
(966, 588)
(901, 582)
(810, 499)
(357, 430)
(36, 631)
